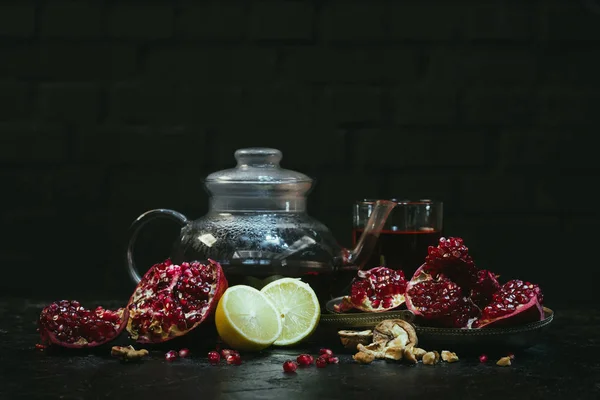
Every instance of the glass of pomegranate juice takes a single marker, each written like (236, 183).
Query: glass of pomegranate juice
(411, 228)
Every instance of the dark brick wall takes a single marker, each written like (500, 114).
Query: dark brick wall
(108, 109)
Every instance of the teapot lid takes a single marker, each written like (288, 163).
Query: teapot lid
(257, 165)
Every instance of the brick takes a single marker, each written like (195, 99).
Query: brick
(511, 20)
(508, 106)
(142, 102)
(564, 65)
(402, 148)
(572, 21)
(350, 65)
(352, 103)
(69, 102)
(421, 105)
(497, 194)
(351, 21)
(212, 21)
(32, 142)
(568, 105)
(152, 21)
(193, 64)
(473, 65)
(72, 19)
(303, 147)
(69, 62)
(14, 100)
(279, 105)
(431, 20)
(118, 144)
(518, 149)
(17, 19)
(281, 20)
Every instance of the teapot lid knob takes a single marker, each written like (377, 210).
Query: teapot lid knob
(258, 156)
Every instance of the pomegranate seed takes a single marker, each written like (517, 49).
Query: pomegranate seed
(40, 346)
(511, 356)
(289, 366)
(321, 362)
(305, 359)
(183, 353)
(171, 355)
(333, 360)
(325, 353)
(483, 358)
(214, 357)
(228, 352)
(234, 359)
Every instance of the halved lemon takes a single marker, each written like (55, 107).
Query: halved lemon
(246, 319)
(298, 309)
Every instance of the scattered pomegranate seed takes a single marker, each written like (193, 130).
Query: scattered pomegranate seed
(321, 362)
(171, 355)
(511, 356)
(228, 352)
(184, 353)
(483, 358)
(333, 360)
(305, 359)
(40, 346)
(234, 359)
(289, 366)
(325, 353)
(214, 357)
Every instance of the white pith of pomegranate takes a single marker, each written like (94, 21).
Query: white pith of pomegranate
(376, 290)
(440, 303)
(516, 302)
(171, 300)
(68, 324)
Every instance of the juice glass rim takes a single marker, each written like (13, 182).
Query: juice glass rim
(403, 202)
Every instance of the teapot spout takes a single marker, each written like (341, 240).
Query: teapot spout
(356, 258)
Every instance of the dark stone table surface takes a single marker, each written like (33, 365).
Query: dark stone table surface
(565, 364)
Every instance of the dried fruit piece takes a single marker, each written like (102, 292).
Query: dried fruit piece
(364, 358)
(430, 358)
(66, 323)
(376, 290)
(449, 356)
(350, 339)
(289, 366)
(171, 299)
(128, 353)
(504, 362)
(516, 302)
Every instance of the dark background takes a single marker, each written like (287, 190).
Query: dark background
(108, 109)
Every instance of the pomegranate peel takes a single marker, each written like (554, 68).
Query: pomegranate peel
(66, 323)
(171, 300)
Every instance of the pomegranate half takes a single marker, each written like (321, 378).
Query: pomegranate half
(376, 290)
(68, 324)
(171, 299)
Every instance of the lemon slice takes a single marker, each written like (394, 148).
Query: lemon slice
(298, 308)
(246, 319)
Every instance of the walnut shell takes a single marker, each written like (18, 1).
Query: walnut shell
(397, 331)
(350, 339)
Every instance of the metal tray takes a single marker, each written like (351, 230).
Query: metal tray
(455, 339)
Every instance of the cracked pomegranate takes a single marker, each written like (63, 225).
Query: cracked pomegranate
(68, 324)
(515, 303)
(171, 300)
(289, 366)
(484, 286)
(376, 290)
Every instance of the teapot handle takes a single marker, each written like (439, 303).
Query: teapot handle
(138, 224)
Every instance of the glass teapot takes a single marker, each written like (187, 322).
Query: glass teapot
(257, 227)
